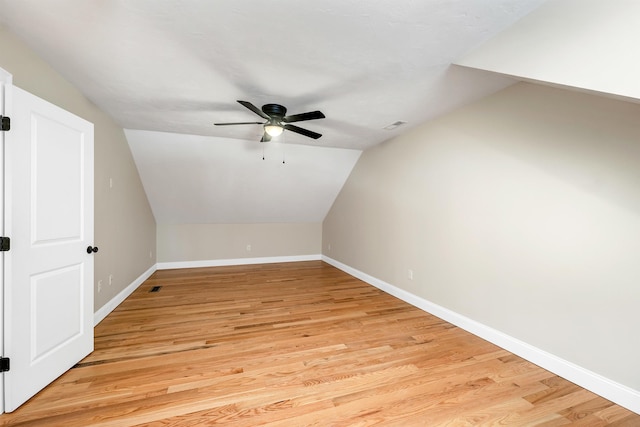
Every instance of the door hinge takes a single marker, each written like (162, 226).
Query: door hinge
(6, 123)
(5, 244)
(4, 364)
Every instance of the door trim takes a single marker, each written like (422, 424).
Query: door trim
(6, 79)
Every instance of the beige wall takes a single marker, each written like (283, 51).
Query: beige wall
(124, 223)
(206, 242)
(521, 211)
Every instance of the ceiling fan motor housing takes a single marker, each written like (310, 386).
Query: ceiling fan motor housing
(274, 110)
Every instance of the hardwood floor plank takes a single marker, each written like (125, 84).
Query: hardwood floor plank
(297, 344)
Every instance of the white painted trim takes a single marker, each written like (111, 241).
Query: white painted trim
(236, 261)
(104, 311)
(6, 79)
(616, 392)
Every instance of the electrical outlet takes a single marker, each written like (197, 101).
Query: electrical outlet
(329, 247)
(410, 274)
(99, 286)
(150, 254)
(110, 279)
(248, 248)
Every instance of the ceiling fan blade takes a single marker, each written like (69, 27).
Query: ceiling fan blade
(305, 132)
(311, 115)
(253, 108)
(265, 138)
(238, 123)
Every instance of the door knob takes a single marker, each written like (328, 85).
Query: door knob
(91, 249)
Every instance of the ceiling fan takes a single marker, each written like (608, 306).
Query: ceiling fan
(277, 121)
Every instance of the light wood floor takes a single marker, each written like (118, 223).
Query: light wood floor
(298, 344)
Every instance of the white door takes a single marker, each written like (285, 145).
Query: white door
(48, 271)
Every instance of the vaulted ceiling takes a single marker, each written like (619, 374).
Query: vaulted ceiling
(167, 70)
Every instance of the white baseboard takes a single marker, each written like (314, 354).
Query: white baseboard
(104, 311)
(616, 392)
(236, 261)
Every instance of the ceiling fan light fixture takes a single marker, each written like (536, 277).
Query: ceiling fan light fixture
(277, 120)
(273, 129)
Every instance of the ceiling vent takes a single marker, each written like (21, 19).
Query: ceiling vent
(394, 125)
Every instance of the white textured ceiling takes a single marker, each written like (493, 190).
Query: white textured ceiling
(170, 69)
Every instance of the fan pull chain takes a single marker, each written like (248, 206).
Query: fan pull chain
(283, 145)
(263, 151)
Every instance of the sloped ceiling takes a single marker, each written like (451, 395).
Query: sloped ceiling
(234, 172)
(577, 44)
(167, 70)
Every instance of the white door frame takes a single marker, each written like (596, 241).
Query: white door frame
(6, 80)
